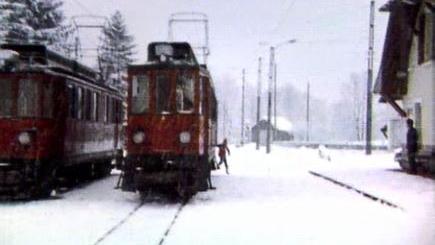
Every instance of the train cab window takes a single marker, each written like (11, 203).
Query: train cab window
(185, 92)
(79, 103)
(28, 95)
(47, 102)
(163, 85)
(5, 98)
(140, 94)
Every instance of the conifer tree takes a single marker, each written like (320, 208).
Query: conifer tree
(116, 51)
(32, 21)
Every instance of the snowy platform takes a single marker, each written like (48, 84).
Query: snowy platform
(266, 199)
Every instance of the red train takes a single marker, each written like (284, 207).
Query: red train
(171, 128)
(56, 120)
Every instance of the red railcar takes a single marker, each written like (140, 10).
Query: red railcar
(56, 121)
(171, 122)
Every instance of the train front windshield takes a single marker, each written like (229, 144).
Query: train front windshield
(165, 102)
(29, 95)
(6, 98)
(185, 91)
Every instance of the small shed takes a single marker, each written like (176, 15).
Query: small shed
(282, 132)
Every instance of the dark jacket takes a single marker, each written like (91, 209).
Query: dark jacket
(412, 140)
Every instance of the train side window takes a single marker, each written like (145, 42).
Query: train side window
(96, 108)
(28, 95)
(185, 92)
(88, 105)
(201, 95)
(116, 116)
(104, 109)
(163, 93)
(48, 103)
(108, 109)
(72, 104)
(115, 110)
(140, 94)
(5, 98)
(79, 104)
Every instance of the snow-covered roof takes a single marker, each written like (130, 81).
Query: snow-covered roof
(6, 54)
(281, 123)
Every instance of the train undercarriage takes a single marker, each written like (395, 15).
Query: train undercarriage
(33, 179)
(181, 175)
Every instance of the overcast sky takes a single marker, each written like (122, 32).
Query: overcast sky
(332, 36)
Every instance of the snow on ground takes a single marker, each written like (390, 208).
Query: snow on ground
(81, 216)
(271, 199)
(379, 175)
(266, 199)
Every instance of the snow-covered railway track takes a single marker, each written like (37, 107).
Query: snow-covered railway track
(119, 224)
(133, 212)
(168, 229)
(361, 192)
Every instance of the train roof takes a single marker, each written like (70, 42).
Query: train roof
(40, 55)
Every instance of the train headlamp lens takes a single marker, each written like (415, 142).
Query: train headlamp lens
(24, 138)
(185, 137)
(139, 137)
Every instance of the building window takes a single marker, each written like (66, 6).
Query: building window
(425, 37)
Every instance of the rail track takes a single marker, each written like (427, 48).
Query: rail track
(132, 213)
(359, 191)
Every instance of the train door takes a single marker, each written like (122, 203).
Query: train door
(203, 98)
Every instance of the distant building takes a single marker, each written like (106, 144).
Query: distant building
(283, 132)
(406, 78)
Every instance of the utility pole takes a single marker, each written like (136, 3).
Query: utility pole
(274, 101)
(258, 105)
(224, 130)
(269, 97)
(370, 79)
(307, 136)
(242, 141)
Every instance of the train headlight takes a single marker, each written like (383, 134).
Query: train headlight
(184, 137)
(139, 137)
(25, 138)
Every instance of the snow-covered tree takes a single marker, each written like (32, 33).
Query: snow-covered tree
(32, 21)
(116, 50)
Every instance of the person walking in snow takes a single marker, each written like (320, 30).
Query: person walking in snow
(411, 145)
(223, 149)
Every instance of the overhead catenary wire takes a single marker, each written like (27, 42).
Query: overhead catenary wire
(83, 7)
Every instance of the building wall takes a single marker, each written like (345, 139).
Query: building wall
(421, 90)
